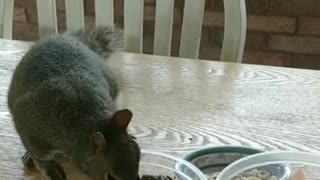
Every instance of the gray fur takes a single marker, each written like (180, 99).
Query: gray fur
(101, 40)
(62, 92)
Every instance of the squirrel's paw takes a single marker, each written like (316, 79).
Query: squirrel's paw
(55, 171)
(27, 161)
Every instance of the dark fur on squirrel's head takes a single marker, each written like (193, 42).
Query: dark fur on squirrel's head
(112, 150)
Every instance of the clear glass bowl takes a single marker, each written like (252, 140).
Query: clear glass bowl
(155, 163)
(213, 159)
(304, 166)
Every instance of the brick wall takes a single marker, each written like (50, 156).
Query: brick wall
(280, 32)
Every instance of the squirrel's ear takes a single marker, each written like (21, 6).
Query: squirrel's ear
(122, 118)
(97, 143)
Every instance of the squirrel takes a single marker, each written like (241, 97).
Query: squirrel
(62, 101)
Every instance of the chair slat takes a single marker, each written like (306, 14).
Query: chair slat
(74, 14)
(133, 25)
(191, 28)
(6, 18)
(163, 27)
(235, 30)
(104, 12)
(47, 17)
(1, 17)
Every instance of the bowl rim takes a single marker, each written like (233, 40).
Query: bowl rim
(212, 149)
(220, 149)
(179, 161)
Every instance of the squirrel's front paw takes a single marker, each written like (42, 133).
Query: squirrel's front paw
(27, 161)
(55, 171)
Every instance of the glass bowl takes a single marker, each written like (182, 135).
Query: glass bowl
(304, 166)
(213, 159)
(155, 163)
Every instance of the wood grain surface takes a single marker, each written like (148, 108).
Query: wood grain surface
(181, 104)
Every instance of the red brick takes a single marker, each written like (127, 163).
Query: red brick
(254, 40)
(25, 31)
(252, 6)
(210, 53)
(257, 23)
(89, 7)
(256, 6)
(118, 13)
(149, 13)
(205, 37)
(309, 25)
(150, 2)
(216, 37)
(60, 4)
(89, 21)
(20, 15)
(148, 45)
(213, 19)
(272, 24)
(179, 4)
(176, 33)
(148, 29)
(61, 17)
(31, 15)
(267, 58)
(175, 45)
(119, 21)
(207, 4)
(295, 7)
(25, 3)
(306, 61)
(309, 45)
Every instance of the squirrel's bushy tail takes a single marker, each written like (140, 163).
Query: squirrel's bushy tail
(103, 40)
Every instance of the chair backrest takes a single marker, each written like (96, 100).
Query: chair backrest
(47, 17)
(235, 27)
(234, 35)
(6, 18)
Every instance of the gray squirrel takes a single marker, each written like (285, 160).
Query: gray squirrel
(62, 101)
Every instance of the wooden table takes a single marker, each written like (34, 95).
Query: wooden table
(181, 104)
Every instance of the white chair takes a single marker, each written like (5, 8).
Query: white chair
(234, 35)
